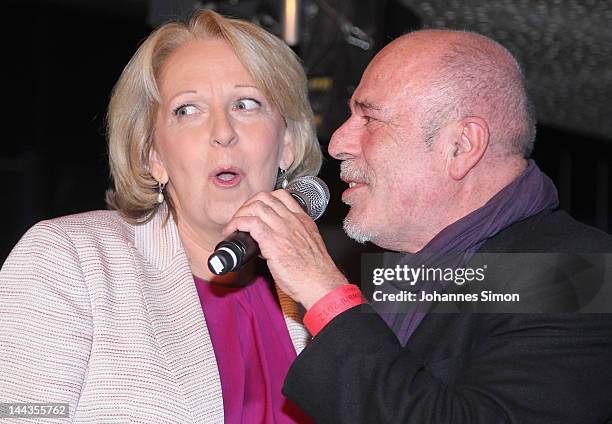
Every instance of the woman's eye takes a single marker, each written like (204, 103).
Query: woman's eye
(185, 110)
(247, 104)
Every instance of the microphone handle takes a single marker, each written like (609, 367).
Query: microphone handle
(237, 249)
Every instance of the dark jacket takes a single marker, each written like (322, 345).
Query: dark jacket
(469, 367)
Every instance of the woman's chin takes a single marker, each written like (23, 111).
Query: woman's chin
(221, 218)
(217, 213)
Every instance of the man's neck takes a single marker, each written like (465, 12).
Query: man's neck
(472, 194)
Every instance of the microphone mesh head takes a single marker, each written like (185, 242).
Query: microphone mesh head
(312, 193)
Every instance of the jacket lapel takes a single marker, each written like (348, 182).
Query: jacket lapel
(178, 320)
(177, 317)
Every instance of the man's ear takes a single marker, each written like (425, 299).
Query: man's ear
(469, 146)
(287, 154)
(156, 166)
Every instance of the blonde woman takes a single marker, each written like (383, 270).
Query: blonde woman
(115, 313)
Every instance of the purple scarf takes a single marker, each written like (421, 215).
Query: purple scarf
(531, 193)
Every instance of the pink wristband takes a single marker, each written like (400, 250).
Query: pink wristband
(331, 305)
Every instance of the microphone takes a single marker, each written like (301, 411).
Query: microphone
(238, 248)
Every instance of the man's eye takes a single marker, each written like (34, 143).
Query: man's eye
(368, 119)
(247, 104)
(185, 110)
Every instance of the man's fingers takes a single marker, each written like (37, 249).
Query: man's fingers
(276, 209)
(250, 224)
(287, 200)
(276, 219)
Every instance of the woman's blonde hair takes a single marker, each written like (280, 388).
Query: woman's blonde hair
(273, 66)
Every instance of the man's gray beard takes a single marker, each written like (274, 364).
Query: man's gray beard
(355, 232)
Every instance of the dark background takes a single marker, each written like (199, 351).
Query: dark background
(63, 57)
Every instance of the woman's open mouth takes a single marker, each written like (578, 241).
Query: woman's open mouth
(226, 177)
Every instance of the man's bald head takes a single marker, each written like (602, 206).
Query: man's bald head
(464, 74)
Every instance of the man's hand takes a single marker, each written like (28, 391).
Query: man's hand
(291, 244)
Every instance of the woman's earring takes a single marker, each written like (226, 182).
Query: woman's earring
(160, 192)
(283, 176)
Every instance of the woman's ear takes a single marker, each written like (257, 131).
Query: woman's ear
(156, 167)
(287, 153)
(469, 146)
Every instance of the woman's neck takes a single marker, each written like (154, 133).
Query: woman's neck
(199, 245)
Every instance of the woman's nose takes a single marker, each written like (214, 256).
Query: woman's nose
(222, 132)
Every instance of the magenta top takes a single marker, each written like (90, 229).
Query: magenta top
(253, 351)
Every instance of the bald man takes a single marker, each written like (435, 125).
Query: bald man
(436, 156)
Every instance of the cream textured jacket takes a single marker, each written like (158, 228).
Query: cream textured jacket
(105, 316)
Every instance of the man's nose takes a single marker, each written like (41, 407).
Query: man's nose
(344, 142)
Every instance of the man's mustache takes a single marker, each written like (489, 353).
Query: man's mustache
(351, 172)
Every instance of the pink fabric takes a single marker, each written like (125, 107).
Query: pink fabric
(253, 351)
